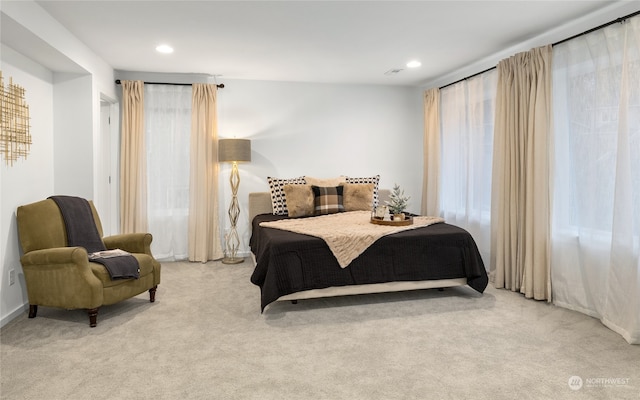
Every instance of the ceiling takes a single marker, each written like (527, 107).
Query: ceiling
(309, 41)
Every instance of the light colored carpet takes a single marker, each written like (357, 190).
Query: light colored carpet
(204, 338)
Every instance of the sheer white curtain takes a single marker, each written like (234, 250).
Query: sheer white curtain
(168, 131)
(467, 118)
(596, 210)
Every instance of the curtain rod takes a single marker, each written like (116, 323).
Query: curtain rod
(220, 86)
(615, 21)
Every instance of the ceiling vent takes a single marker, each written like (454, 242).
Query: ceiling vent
(393, 71)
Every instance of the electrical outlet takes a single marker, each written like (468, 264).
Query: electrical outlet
(12, 276)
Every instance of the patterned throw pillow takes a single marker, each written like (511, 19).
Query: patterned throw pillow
(278, 197)
(374, 179)
(327, 200)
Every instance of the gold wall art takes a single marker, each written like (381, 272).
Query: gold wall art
(15, 139)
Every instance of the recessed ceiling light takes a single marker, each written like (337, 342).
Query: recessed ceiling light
(414, 64)
(164, 48)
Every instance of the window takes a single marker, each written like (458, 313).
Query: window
(467, 117)
(168, 130)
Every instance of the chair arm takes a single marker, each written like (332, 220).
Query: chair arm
(61, 277)
(59, 255)
(135, 243)
(131, 242)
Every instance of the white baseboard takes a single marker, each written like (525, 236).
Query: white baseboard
(14, 314)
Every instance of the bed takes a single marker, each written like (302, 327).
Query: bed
(292, 266)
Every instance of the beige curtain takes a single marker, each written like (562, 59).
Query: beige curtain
(520, 209)
(431, 154)
(204, 233)
(133, 171)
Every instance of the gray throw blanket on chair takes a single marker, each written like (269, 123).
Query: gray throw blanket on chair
(82, 231)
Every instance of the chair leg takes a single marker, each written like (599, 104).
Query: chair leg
(152, 294)
(33, 310)
(93, 316)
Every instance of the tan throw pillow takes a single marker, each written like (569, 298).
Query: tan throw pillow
(372, 179)
(325, 182)
(278, 197)
(299, 200)
(358, 196)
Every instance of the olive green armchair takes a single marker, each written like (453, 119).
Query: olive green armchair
(60, 276)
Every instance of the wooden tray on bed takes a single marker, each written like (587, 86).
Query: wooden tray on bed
(406, 221)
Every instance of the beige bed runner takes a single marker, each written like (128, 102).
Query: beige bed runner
(347, 234)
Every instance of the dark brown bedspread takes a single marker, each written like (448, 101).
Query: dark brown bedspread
(288, 262)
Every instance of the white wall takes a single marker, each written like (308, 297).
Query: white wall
(73, 150)
(45, 28)
(65, 115)
(321, 130)
(28, 179)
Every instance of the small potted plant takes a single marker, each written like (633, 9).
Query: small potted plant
(397, 203)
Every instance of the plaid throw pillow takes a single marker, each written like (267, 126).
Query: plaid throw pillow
(327, 200)
(278, 197)
(374, 179)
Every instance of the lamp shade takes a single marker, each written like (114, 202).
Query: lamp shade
(230, 150)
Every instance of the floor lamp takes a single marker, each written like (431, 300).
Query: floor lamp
(233, 151)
